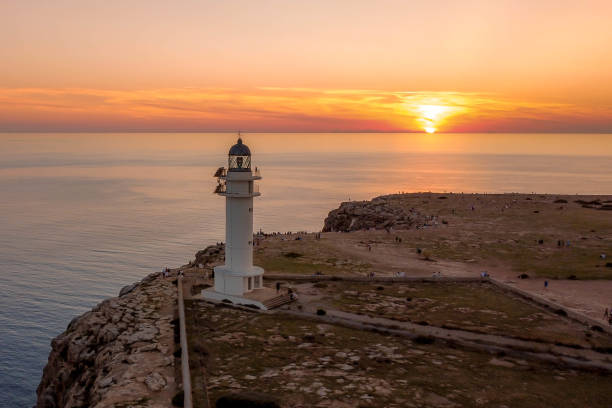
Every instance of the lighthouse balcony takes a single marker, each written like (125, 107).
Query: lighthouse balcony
(223, 174)
(252, 190)
(239, 195)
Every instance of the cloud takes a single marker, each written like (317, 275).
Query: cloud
(288, 109)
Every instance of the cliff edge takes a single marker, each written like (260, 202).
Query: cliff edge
(118, 354)
(382, 212)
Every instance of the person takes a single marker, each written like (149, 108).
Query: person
(278, 287)
(545, 284)
(606, 314)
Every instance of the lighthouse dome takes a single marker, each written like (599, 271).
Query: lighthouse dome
(239, 157)
(240, 149)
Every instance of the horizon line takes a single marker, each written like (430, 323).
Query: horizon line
(302, 132)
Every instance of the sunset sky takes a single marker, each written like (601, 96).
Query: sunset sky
(437, 65)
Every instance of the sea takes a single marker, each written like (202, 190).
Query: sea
(82, 215)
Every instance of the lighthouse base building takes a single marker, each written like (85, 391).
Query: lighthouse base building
(239, 281)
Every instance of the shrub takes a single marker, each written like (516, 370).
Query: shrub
(292, 255)
(178, 399)
(199, 349)
(321, 312)
(247, 399)
(424, 340)
(177, 333)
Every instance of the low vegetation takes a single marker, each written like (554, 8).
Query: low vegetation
(306, 362)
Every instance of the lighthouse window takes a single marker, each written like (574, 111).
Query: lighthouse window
(240, 163)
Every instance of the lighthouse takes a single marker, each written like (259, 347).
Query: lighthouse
(238, 277)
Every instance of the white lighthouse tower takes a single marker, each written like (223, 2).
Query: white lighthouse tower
(238, 277)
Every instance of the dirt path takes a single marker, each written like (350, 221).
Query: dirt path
(589, 297)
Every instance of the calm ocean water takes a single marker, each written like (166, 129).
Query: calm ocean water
(82, 215)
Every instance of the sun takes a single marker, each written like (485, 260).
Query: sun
(431, 116)
(432, 113)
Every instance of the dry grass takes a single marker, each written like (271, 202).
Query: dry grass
(506, 230)
(478, 307)
(314, 257)
(307, 363)
(502, 231)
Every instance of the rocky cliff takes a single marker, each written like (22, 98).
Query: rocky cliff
(118, 354)
(382, 212)
(211, 255)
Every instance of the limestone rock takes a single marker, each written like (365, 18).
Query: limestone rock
(127, 289)
(380, 213)
(155, 381)
(113, 354)
(211, 255)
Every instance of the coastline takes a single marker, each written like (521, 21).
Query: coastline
(124, 350)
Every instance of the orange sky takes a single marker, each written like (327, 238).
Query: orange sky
(447, 66)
